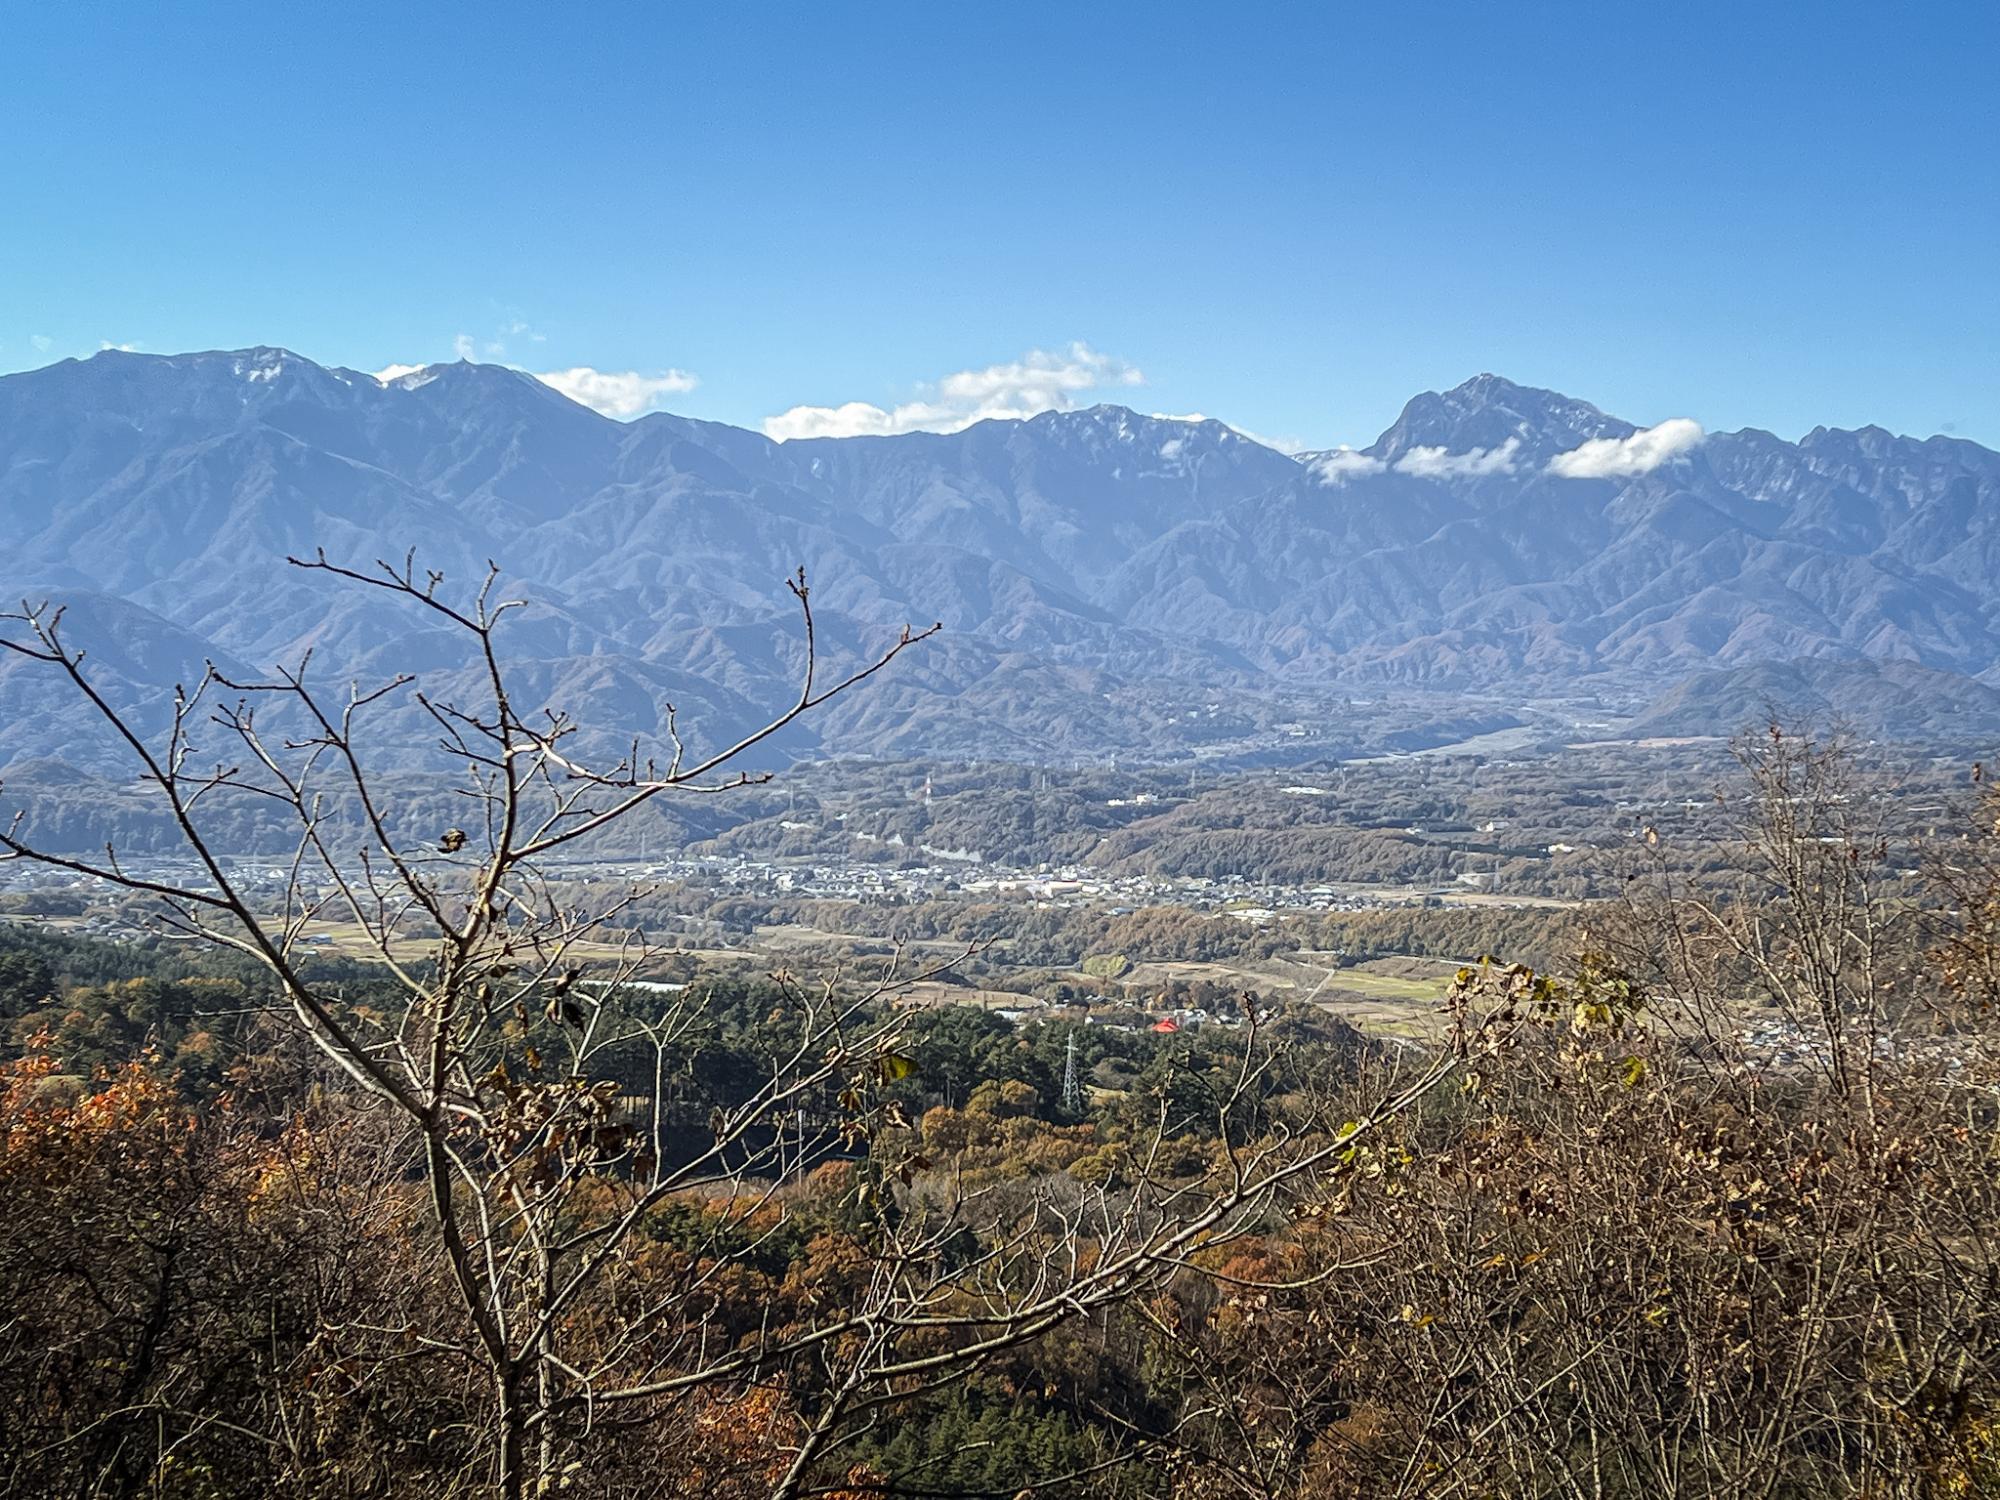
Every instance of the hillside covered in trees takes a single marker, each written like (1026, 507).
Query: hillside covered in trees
(1703, 1205)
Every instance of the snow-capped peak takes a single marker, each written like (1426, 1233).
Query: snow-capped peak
(406, 377)
(260, 365)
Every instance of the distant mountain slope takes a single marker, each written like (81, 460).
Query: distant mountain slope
(1920, 703)
(1104, 577)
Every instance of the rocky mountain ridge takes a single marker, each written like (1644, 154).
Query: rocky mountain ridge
(1110, 583)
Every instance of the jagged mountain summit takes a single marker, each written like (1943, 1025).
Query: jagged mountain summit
(1110, 582)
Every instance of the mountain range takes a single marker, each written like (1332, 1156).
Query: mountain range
(1109, 583)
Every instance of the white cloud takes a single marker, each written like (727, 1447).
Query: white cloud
(106, 344)
(494, 346)
(855, 419)
(1641, 453)
(1037, 382)
(1343, 464)
(616, 393)
(1435, 463)
(42, 342)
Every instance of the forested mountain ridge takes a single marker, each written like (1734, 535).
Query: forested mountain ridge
(1109, 582)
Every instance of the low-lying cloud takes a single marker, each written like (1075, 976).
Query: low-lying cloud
(1039, 381)
(1435, 463)
(617, 393)
(1619, 458)
(1343, 464)
(621, 394)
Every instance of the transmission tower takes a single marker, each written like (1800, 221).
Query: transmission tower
(1072, 1096)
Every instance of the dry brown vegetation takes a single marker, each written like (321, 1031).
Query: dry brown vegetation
(1709, 1210)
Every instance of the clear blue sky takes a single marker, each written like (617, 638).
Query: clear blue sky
(1288, 217)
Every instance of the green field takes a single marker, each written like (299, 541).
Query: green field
(1385, 986)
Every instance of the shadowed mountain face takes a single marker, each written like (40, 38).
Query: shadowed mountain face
(1101, 574)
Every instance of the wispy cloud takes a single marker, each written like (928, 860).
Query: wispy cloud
(42, 342)
(617, 393)
(106, 344)
(511, 328)
(1435, 463)
(1641, 453)
(1039, 381)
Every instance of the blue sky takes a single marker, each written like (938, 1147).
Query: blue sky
(1288, 217)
